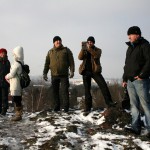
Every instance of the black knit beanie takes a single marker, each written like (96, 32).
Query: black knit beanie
(56, 38)
(91, 38)
(134, 30)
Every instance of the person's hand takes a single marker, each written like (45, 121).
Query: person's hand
(124, 84)
(71, 75)
(137, 78)
(6, 79)
(45, 77)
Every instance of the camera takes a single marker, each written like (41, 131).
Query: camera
(84, 45)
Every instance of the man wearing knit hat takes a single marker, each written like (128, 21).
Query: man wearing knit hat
(91, 68)
(136, 78)
(4, 85)
(59, 60)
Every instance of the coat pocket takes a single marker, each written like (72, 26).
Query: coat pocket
(96, 67)
(81, 68)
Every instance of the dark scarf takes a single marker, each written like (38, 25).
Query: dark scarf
(3, 59)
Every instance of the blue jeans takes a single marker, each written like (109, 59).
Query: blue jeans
(139, 96)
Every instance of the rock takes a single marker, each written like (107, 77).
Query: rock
(115, 116)
(72, 128)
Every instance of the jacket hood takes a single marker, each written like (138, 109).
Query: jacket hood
(18, 53)
(141, 40)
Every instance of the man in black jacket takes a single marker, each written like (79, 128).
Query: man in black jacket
(4, 85)
(136, 78)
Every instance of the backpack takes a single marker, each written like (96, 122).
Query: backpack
(24, 76)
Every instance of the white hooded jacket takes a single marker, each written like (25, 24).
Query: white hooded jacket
(15, 71)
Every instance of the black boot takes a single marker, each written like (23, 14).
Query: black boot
(66, 109)
(3, 112)
(88, 105)
(57, 108)
(66, 106)
(131, 130)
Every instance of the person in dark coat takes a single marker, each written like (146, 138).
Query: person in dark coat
(4, 85)
(91, 68)
(136, 78)
(60, 62)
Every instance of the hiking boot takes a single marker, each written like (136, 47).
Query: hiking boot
(16, 118)
(130, 129)
(18, 114)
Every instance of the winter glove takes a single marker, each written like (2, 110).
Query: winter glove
(71, 74)
(45, 77)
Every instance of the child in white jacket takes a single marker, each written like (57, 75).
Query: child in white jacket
(13, 79)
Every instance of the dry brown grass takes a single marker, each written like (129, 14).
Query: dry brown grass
(37, 98)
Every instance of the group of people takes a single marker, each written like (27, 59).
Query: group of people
(60, 62)
(10, 80)
(136, 75)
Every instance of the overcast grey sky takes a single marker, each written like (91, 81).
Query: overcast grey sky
(32, 24)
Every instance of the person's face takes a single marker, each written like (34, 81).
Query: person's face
(133, 37)
(3, 54)
(90, 44)
(57, 43)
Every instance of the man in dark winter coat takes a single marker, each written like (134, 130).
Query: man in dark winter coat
(91, 68)
(59, 60)
(4, 85)
(136, 78)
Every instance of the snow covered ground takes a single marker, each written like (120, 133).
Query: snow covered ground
(65, 131)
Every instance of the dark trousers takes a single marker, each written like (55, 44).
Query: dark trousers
(102, 85)
(3, 98)
(17, 100)
(63, 82)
